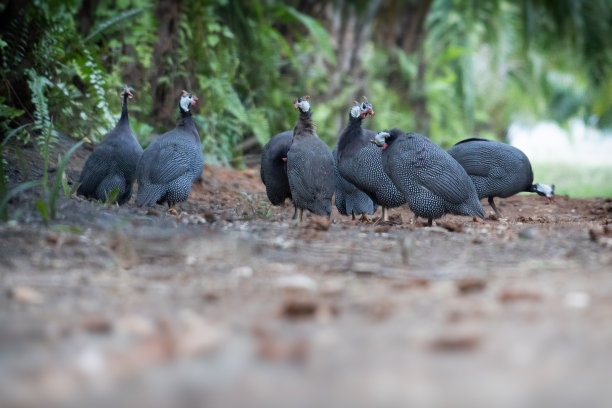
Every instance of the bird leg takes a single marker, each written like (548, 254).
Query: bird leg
(385, 214)
(301, 214)
(353, 215)
(429, 222)
(295, 213)
(492, 204)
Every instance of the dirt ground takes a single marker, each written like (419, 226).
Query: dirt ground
(229, 303)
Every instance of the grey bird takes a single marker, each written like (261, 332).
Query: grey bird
(310, 166)
(360, 163)
(170, 165)
(432, 181)
(274, 168)
(112, 164)
(349, 200)
(497, 169)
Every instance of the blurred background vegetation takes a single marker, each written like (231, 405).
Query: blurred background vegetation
(449, 69)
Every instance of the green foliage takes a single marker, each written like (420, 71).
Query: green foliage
(112, 22)
(111, 197)
(59, 176)
(7, 115)
(43, 209)
(5, 196)
(478, 66)
(48, 208)
(42, 121)
(253, 206)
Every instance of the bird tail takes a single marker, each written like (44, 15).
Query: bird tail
(477, 209)
(147, 195)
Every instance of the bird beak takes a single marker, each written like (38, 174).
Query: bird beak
(367, 112)
(373, 141)
(193, 102)
(285, 159)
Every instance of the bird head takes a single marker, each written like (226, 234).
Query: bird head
(381, 139)
(545, 190)
(361, 110)
(302, 104)
(187, 101)
(127, 91)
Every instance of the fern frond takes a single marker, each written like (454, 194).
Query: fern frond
(105, 25)
(16, 44)
(42, 121)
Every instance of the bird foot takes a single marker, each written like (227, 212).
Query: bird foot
(172, 211)
(364, 218)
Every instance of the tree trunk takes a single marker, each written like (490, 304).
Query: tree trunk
(166, 91)
(85, 16)
(402, 25)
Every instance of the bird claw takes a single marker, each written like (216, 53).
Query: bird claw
(364, 218)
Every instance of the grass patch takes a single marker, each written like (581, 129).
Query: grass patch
(575, 180)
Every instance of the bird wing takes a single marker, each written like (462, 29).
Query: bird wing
(313, 168)
(435, 172)
(164, 162)
(473, 155)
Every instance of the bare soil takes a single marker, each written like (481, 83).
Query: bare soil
(228, 302)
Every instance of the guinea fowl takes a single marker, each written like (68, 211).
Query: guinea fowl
(112, 164)
(349, 199)
(432, 181)
(360, 163)
(170, 165)
(310, 166)
(274, 168)
(497, 169)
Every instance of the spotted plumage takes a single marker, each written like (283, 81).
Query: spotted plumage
(170, 165)
(310, 166)
(432, 181)
(497, 169)
(359, 161)
(113, 162)
(349, 200)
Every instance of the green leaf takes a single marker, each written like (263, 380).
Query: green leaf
(105, 25)
(61, 166)
(111, 197)
(14, 191)
(212, 40)
(315, 29)
(41, 206)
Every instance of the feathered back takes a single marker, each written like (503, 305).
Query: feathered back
(496, 169)
(431, 180)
